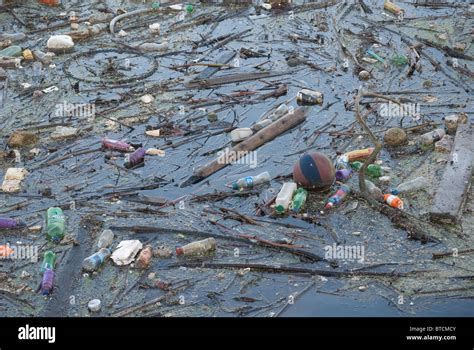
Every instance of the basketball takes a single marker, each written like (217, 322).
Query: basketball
(314, 171)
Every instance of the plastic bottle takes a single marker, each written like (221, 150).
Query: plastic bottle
(251, 181)
(13, 37)
(279, 112)
(400, 60)
(337, 197)
(391, 7)
(189, 8)
(284, 197)
(144, 258)
(342, 162)
(151, 47)
(11, 51)
(343, 174)
(106, 238)
(432, 136)
(261, 124)
(198, 247)
(94, 261)
(8, 223)
(411, 185)
(374, 170)
(47, 282)
(134, 159)
(374, 191)
(48, 261)
(299, 200)
(55, 224)
(50, 2)
(240, 134)
(359, 154)
(117, 145)
(393, 201)
(309, 97)
(37, 70)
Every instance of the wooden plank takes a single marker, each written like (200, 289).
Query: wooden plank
(263, 136)
(455, 184)
(229, 79)
(210, 71)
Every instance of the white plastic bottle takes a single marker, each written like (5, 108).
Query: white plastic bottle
(240, 134)
(284, 197)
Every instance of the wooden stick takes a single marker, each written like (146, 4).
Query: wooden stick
(265, 135)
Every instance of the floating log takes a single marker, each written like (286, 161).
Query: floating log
(265, 135)
(452, 191)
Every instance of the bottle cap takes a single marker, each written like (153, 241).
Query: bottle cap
(279, 209)
(179, 251)
(94, 305)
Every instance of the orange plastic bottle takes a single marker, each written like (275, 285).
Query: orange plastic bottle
(393, 201)
(359, 154)
(50, 2)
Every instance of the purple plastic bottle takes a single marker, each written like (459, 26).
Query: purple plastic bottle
(47, 283)
(135, 158)
(343, 174)
(116, 145)
(8, 223)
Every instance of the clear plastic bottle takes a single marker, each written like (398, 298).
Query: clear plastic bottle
(432, 136)
(375, 192)
(197, 248)
(279, 112)
(251, 181)
(93, 262)
(411, 185)
(261, 124)
(106, 238)
(284, 197)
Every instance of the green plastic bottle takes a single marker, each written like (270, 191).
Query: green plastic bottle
(155, 5)
(400, 60)
(189, 8)
(299, 199)
(374, 170)
(11, 51)
(55, 224)
(48, 261)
